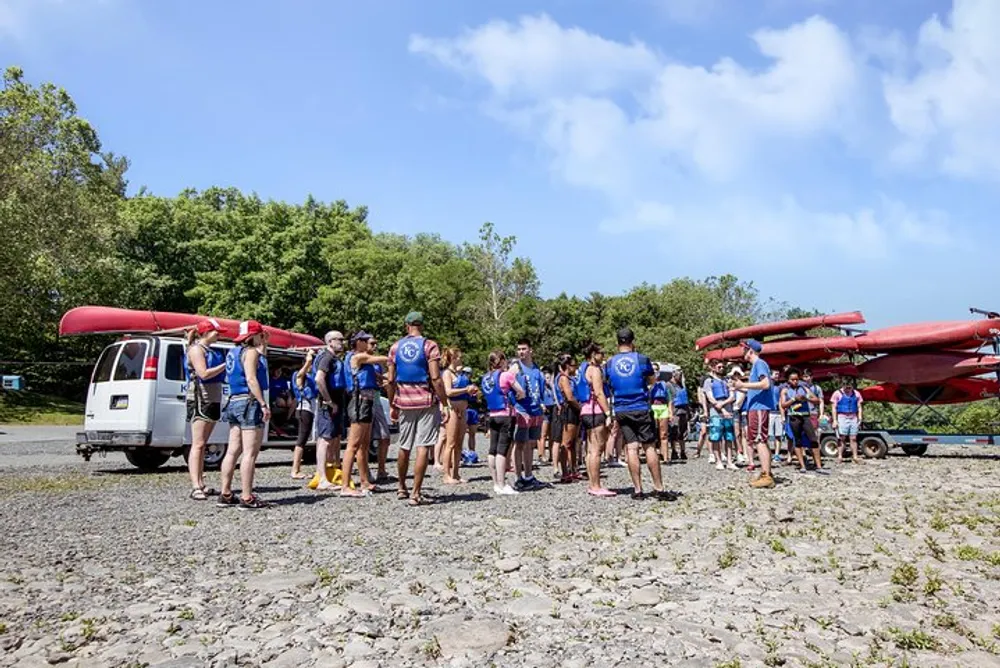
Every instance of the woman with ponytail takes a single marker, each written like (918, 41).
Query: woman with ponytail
(203, 371)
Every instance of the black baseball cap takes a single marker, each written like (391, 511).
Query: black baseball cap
(626, 335)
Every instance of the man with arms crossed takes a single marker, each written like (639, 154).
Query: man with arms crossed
(414, 381)
(630, 375)
(846, 403)
(760, 403)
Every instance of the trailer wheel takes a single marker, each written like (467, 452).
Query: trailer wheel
(828, 446)
(214, 454)
(916, 450)
(874, 447)
(147, 460)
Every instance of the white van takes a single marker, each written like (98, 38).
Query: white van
(136, 403)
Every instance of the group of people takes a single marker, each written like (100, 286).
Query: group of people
(595, 409)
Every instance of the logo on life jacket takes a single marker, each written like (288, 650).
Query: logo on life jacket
(625, 366)
(488, 383)
(409, 351)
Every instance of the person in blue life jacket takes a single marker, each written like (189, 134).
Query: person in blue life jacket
(470, 456)
(529, 416)
(204, 371)
(847, 406)
(569, 417)
(776, 420)
(361, 412)
(381, 434)
(630, 374)
(304, 390)
(659, 399)
(460, 391)
(720, 397)
(680, 416)
(796, 400)
(331, 405)
(817, 412)
(549, 421)
(282, 401)
(415, 391)
(594, 395)
(247, 411)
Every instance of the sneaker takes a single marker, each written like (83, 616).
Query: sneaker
(763, 481)
(719, 466)
(741, 459)
(520, 485)
(638, 496)
(534, 483)
(803, 470)
(819, 470)
(227, 501)
(776, 459)
(711, 459)
(673, 456)
(508, 491)
(684, 455)
(616, 464)
(731, 466)
(497, 489)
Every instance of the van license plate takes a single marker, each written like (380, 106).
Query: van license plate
(119, 403)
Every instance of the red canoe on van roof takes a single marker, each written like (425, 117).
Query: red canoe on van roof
(796, 326)
(109, 320)
(952, 391)
(949, 334)
(927, 367)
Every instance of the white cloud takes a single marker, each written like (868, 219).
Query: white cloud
(947, 110)
(701, 152)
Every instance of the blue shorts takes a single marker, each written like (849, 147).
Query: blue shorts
(471, 417)
(329, 427)
(244, 412)
(720, 429)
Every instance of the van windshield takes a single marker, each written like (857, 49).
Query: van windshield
(130, 362)
(102, 372)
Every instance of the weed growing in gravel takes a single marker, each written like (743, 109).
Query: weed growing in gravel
(191, 523)
(938, 523)
(3, 628)
(913, 640)
(173, 629)
(824, 622)
(735, 663)
(417, 588)
(905, 575)
(479, 575)
(69, 616)
(947, 621)
(934, 548)
(779, 547)
(968, 553)
(554, 612)
(831, 558)
(187, 614)
(15, 579)
(996, 631)
(451, 584)
(933, 583)
(88, 628)
(750, 531)
(516, 594)
(537, 552)
(431, 649)
(729, 557)
(882, 549)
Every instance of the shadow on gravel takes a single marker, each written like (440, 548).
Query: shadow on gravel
(454, 498)
(951, 455)
(300, 499)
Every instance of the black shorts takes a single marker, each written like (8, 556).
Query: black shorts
(637, 427)
(593, 421)
(556, 426)
(201, 411)
(361, 407)
(803, 434)
(679, 427)
(501, 435)
(570, 415)
(305, 427)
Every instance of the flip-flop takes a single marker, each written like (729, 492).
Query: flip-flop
(352, 494)
(299, 476)
(420, 501)
(402, 495)
(209, 491)
(372, 489)
(601, 492)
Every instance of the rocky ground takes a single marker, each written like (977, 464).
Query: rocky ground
(894, 562)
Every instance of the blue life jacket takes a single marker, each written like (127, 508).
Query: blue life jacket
(411, 361)
(213, 358)
(308, 391)
(776, 394)
(348, 372)
(801, 405)
(581, 387)
(659, 394)
(236, 376)
(720, 390)
(628, 386)
(548, 396)
(532, 380)
(496, 400)
(560, 397)
(461, 382)
(681, 396)
(848, 404)
(365, 378)
(335, 377)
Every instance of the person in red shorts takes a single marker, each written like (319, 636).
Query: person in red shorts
(759, 403)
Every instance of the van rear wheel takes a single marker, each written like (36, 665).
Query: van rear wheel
(147, 460)
(214, 454)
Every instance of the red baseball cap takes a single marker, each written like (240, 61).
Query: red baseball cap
(209, 325)
(248, 329)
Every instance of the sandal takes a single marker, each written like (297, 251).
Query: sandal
(601, 492)
(198, 495)
(209, 491)
(299, 476)
(352, 494)
(402, 495)
(420, 501)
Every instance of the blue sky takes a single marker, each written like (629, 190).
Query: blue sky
(841, 154)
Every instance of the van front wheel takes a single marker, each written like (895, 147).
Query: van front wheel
(214, 454)
(147, 460)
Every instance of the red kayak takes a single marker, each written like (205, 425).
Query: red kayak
(794, 350)
(952, 391)
(928, 367)
(797, 326)
(826, 371)
(949, 334)
(108, 320)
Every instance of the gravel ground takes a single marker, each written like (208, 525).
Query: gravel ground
(887, 563)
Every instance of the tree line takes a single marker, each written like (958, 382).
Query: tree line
(73, 236)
